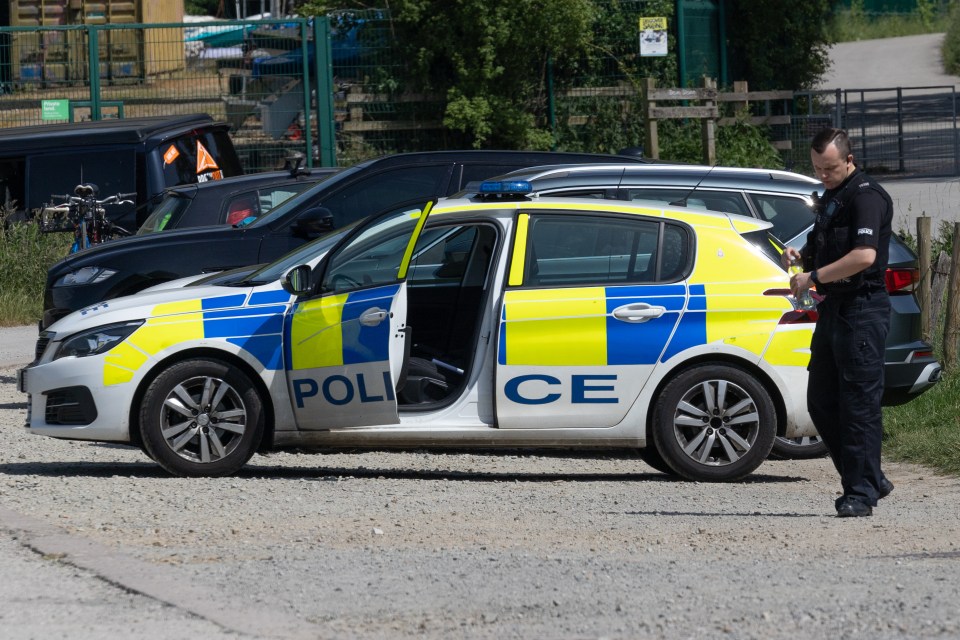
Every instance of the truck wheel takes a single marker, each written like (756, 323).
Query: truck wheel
(201, 417)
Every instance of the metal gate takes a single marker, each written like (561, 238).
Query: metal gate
(902, 131)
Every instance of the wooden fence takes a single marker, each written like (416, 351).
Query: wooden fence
(707, 111)
(358, 112)
(939, 284)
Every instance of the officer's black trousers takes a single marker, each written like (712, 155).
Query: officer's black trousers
(846, 386)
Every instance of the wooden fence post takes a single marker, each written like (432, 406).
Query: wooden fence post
(950, 327)
(653, 144)
(740, 86)
(924, 241)
(941, 272)
(708, 128)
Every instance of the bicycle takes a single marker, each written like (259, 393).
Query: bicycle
(84, 215)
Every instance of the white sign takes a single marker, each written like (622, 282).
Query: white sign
(653, 36)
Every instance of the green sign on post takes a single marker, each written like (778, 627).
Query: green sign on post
(55, 110)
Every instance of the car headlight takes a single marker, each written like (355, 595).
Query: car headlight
(95, 341)
(85, 275)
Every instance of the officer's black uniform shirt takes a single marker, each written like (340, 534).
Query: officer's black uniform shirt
(858, 213)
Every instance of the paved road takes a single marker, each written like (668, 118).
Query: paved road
(911, 61)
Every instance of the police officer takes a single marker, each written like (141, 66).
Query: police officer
(845, 258)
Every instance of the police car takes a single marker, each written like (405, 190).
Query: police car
(497, 321)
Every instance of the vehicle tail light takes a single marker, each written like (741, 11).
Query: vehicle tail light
(797, 316)
(901, 280)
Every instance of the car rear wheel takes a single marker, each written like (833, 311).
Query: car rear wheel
(714, 423)
(803, 448)
(201, 418)
(652, 457)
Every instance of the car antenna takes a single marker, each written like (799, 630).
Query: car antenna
(682, 202)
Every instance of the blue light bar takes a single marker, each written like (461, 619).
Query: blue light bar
(518, 187)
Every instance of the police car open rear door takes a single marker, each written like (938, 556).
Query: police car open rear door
(345, 346)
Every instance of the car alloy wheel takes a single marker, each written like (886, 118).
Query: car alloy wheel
(201, 418)
(714, 422)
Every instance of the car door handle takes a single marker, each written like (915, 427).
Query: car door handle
(373, 317)
(638, 312)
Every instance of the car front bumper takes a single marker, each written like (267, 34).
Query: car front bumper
(66, 399)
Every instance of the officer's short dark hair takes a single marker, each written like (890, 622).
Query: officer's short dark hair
(831, 135)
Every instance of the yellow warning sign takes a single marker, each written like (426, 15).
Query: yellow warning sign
(654, 24)
(170, 155)
(205, 161)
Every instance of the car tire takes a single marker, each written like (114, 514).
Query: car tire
(714, 423)
(805, 448)
(652, 457)
(201, 418)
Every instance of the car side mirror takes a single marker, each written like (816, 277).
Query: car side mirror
(313, 223)
(296, 281)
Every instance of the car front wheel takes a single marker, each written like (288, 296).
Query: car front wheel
(714, 423)
(201, 418)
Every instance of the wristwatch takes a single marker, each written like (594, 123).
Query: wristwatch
(814, 279)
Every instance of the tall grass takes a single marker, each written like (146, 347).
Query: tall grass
(25, 256)
(926, 430)
(951, 43)
(856, 23)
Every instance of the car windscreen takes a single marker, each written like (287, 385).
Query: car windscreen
(790, 215)
(304, 199)
(166, 214)
(301, 255)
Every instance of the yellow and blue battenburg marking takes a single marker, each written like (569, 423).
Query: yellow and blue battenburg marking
(575, 326)
(326, 332)
(255, 325)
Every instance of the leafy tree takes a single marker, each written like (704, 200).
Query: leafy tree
(494, 62)
(203, 7)
(778, 45)
(489, 59)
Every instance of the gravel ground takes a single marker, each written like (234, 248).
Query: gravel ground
(422, 545)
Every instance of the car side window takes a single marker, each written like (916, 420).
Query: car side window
(583, 251)
(725, 201)
(272, 196)
(441, 255)
(471, 172)
(597, 194)
(379, 192)
(790, 215)
(374, 256)
(61, 172)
